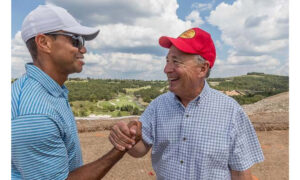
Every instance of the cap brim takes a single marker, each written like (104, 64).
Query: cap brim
(87, 32)
(167, 42)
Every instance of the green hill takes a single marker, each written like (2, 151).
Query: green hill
(252, 87)
(130, 97)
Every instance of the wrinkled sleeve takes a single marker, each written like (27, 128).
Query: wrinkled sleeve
(245, 148)
(38, 150)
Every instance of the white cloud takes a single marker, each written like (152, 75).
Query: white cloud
(195, 18)
(128, 24)
(20, 56)
(241, 65)
(253, 26)
(123, 65)
(96, 12)
(257, 32)
(218, 44)
(106, 65)
(203, 6)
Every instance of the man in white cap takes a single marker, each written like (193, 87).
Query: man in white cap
(45, 142)
(195, 132)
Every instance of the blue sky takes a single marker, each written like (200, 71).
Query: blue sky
(249, 35)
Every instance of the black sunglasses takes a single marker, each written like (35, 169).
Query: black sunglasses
(77, 40)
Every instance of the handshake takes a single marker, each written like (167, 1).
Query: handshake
(124, 136)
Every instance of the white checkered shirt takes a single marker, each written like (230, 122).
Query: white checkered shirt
(204, 140)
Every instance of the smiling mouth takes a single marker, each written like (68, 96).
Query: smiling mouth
(172, 79)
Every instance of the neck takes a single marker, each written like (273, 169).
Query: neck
(49, 69)
(185, 99)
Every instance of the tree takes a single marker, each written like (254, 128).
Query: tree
(147, 99)
(135, 111)
(92, 98)
(128, 108)
(119, 114)
(82, 113)
(92, 108)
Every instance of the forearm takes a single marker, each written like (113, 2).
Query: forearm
(241, 175)
(98, 168)
(139, 150)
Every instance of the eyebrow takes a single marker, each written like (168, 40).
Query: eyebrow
(173, 57)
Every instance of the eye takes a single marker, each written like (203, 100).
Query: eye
(75, 41)
(176, 62)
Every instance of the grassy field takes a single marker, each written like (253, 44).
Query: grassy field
(132, 90)
(112, 107)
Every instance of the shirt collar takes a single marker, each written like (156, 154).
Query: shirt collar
(46, 81)
(201, 96)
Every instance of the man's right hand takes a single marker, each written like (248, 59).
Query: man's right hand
(124, 136)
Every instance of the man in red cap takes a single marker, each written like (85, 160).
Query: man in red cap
(194, 131)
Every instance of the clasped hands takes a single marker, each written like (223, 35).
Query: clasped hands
(124, 136)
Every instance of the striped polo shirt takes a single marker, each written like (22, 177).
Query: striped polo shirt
(204, 140)
(44, 139)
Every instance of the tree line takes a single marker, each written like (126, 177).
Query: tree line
(102, 89)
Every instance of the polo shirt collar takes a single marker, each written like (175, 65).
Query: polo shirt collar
(46, 81)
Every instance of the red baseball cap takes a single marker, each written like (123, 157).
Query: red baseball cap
(193, 41)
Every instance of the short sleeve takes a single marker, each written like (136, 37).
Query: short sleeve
(38, 151)
(148, 121)
(245, 148)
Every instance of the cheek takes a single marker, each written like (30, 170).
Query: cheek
(190, 76)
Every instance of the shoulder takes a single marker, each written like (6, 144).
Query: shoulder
(163, 98)
(160, 101)
(30, 97)
(19, 83)
(26, 85)
(216, 96)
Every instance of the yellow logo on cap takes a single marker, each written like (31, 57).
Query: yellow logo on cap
(188, 34)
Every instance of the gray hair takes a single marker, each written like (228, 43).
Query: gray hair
(201, 60)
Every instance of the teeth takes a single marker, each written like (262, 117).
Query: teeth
(171, 79)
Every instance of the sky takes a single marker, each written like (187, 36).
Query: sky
(249, 35)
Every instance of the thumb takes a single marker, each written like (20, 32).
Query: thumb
(135, 128)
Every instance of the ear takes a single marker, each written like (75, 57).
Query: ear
(203, 68)
(43, 43)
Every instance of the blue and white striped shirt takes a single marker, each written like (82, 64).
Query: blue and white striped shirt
(204, 140)
(45, 142)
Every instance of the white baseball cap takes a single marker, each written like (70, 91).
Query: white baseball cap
(50, 18)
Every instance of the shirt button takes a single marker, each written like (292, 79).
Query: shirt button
(187, 115)
(181, 161)
(184, 139)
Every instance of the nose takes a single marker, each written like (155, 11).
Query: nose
(82, 50)
(168, 68)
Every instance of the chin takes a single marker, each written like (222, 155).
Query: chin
(78, 69)
(172, 90)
